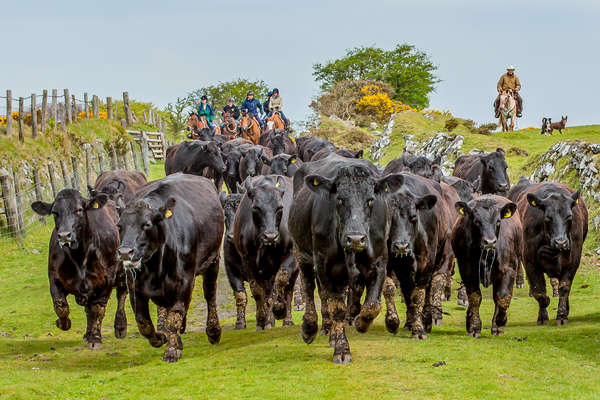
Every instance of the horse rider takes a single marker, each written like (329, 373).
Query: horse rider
(253, 106)
(276, 104)
(509, 81)
(232, 109)
(266, 103)
(206, 109)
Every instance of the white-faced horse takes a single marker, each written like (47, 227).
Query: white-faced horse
(508, 110)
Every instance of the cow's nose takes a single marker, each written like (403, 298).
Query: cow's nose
(125, 253)
(271, 237)
(400, 247)
(488, 243)
(561, 243)
(356, 241)
(64, 236)
(504, 186)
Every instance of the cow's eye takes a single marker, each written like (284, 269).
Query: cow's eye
(340, 202)
(370, 203)
(147, 225)
(413, 218)
(79, 210)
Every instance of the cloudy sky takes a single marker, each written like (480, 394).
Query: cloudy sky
(159, 50)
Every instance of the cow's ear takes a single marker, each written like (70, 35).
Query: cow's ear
(119, 203)
(426, 202)
(508, 210)
(265, 159)
(501, 151)
(534, 201)
(463, 208)
(222, 198)
(359, 154)
(575, 197)
(477, 185)
(248, 187)
(389, 183)
(97, 202)
(240, 188)
(292, 159)
(91, 191)
(317, 182)
(41, 207)
(166, 211)
(436, 173)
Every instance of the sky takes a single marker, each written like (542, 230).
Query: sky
(158, 50)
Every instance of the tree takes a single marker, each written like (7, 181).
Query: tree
(176, 114)
(219, 93)
(407, 70)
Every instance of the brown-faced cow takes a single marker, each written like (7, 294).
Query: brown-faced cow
(170, 233)
(82, 260)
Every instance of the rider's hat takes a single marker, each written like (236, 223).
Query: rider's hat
(204, 97)
(230, 99)
(510, 68)
(275, 90)
(250, 92)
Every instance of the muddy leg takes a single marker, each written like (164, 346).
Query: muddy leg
(538, 291)
(448, 287)
(427, 315)
(372, 306)
(438, 283)
(298, 291)
(61, 306)
(209, 285)
(95, 315)
(353, 304)
(258, 293)
(520, 281)
(144, 323)
(325, 316)
(462, 298)
(310, 324)
(554, 284)
(392, 321)
(161, 319)
(173, 326)
(289, 294)
(562, 315)
(502, 297)
(282, 281)
(341, 348)
(241, 300)
(417, 303)
(120, 317)
(473, 319)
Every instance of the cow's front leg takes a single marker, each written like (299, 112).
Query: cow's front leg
(564, 289)
(310, 324)
(95, 314)
(260, 297)
(372, 305)
(502, 297)
(61, 306)
(139, 303)
(289, 296)
(282, 281)
(337, 309)
(417, 304)
(120, 316)
(209, 285)
(173, 324)
(538, 291)
(392, 321)
(438, 283)
(325, 315)
(473, 320)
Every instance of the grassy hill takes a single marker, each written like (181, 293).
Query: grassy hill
(40, 361)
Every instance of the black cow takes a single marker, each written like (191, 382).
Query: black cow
(252, 161)
(309, 147)
(170, 233)
(232, 154)
(339, 151)
(283, 164)
(261, 237)
(196, 158)
(82, 260)
(489, 170)
(119, 185)
(416, 245)
(339, 222)
(487, 241)
(465, 189)
(278, 141)
(418, 165)
(555, 225)
(232, 259)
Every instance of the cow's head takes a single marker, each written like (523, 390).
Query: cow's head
(231, 160)
(252, 160)
(209, 155)
(69, 210)
(349, 153)
(423, 166)
(557, 209)
(494, 176)
(230, 204)
(266, 194)
(278, 141)
(354, 191)
(114, 190)
(483, 217)
(280, 163)
(142, 231)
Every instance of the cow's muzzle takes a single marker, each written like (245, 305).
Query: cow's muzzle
(401, 249)
(66, 239)
(355, 241)
(126, 255)
(561, 244)
(270, 238)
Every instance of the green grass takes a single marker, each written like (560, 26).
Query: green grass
(40, 361)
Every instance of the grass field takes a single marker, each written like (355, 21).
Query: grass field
(39, 361)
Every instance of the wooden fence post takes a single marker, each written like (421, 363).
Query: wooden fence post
(52, 175)
(10, 205)
(65, 173)
(75, 177)
(113, 158)
(19, 199)
(21, 134)
(89, 168)
(55, 107)
(136, 165)
(145, 152)
(63, 113)
(109, 108)
(74, 112)
(34, 127)
(67, 119)
(116, 112)
(100, 158)
(37, 185)
(121, 161)
(44, 110)
(9, 112)
(145, 116)
(127, 109)
(86, 107)
(95, 105)
(163, 141)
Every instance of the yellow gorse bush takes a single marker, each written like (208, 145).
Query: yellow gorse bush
(101, 115)
(376, 102)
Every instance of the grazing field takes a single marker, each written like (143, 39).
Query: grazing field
(40, 361)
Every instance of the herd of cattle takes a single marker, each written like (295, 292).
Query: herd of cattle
(308, 210)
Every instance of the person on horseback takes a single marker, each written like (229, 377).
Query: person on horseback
(232, 109)
(266, 103)
(509, 81)
(253, 106)
(206, 110)
(276, 104)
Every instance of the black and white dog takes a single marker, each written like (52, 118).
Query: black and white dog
(546, 126)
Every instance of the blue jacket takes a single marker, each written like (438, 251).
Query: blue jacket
(251, 106)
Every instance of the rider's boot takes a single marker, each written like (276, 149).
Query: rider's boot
(497, 107)
(497, 112)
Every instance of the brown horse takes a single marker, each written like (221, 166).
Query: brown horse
(196, 124)
(250, 128)
(275, 122)
(230, 127)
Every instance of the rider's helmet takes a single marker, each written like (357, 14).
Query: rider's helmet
(510, 68)
(230, 99)
(250, 93)
(275, 91)
(204, 97)
(270, 93)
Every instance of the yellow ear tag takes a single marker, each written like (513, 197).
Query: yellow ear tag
(508, 214)
(202, 147)
(95, 205)
(577, 201)
(293, 140)
(168, 214)
(462, 211)
(277, 184)
(533, 203)
(293, 160)
(316, 182)
(387, 188)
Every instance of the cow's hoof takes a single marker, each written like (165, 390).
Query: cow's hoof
(288, 322)
(498, 331)
(259, 328)
(279, 310)
(240, 325)
(437, 322)
(419, 335)
(172, 355)
(214, 334)
(475, 334)
(64, 324)
(392, 324)
(543, 321)
(562, 321)
(298, 307)
(462, 303)
(120, 332)
(268, 326)
(362, 324)
(520, 285)
(555, 293)
(325, 331)
(344, 358)
(158, 340)
(94, 346)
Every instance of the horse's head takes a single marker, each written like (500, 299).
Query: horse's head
(192, 122)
